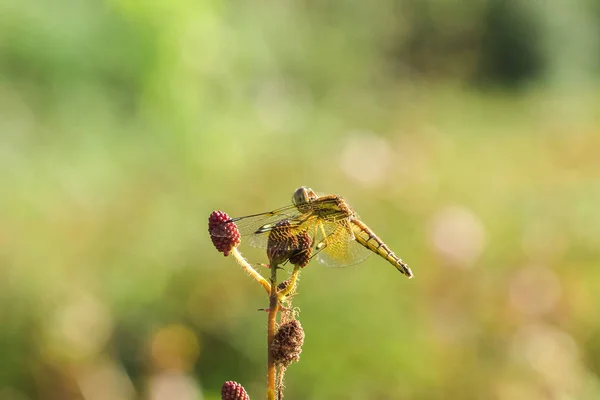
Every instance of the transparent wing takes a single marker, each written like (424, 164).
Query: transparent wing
(302, 223)
(250, 224)
(335, 245)
(256, 228)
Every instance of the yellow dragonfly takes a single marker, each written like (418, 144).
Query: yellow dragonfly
(337, 236)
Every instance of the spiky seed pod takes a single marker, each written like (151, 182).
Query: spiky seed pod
(301, 257)
(282, 243)
(223, 233)
(287, 343)
(233, 391)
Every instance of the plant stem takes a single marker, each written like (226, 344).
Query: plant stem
(273, 309)
(250, 270)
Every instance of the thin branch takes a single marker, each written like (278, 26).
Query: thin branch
(250, 270)
(282, 369)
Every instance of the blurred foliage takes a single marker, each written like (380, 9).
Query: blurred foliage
(464, 133)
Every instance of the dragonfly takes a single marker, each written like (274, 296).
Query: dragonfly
(337, 235)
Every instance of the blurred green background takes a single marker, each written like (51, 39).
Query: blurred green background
(466, 134)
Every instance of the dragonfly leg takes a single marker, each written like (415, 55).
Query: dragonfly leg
(290, 284)
(282, 308)
(268, 265)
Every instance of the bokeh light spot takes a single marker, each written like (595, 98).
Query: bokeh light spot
(174, 348)
(79, 329)
(168, 386)
(366, 158)
(534, 290)
(551, 352)
(105, 380)
(457, 235)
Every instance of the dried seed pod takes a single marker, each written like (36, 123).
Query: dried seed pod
(282, 243)
(287, 343)
(302, 255)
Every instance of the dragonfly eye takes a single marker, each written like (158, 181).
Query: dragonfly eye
(300, 196)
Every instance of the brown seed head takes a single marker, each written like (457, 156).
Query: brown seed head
(287, 343)
(281, 243)
(223, 233)
(302, 255)
(233, 391)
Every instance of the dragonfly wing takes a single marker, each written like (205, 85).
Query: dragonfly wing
(335, 245)
(256, 228)
(252, 224)
(281, 223)
(282, 229)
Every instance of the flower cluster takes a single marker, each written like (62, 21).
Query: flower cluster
(233, 391)
(223, 232)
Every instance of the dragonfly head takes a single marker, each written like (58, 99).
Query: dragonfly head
(303, 196)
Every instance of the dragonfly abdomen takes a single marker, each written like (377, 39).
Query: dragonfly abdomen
(365, 236)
